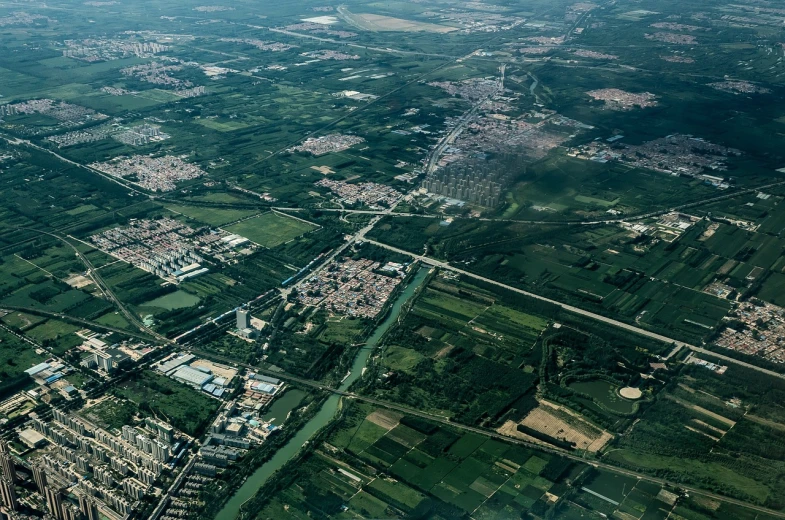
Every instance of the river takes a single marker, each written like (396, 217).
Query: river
(249, 488)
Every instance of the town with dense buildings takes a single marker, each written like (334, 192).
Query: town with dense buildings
(366, 194)
(439, 259)
(169, 248)
(152, 173)
(352, 287)
(327, 144)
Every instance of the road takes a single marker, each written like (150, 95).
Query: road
(172, 489)
(361, 235)
(73, 319)
(618, 220)
(360, 109)
(103, 286)
(357, 237)
(433, 158)
(387, 50)
(485, 432)
(576, 310)
(126, 185)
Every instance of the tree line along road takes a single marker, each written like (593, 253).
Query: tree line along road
(576, 310)
(487, 433)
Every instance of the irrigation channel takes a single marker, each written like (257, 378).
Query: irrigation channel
(249, 488)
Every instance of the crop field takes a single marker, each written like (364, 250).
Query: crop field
(114, 319)
(16, 356)
(58, 335)
(447, 304)
(21, 321)
(215, 292)
(456, 331)
(700, 432)
(374, 22)
(603, 269)
(51, 329)
(212, 216)
(701, 508)
(271, 229)
(459, 334)
(132, 285)
(623, 159)
(342, 330)
(380, 463)
(388, 462)
(564, 188)
(80, 198)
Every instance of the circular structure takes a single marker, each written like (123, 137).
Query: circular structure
(629, 392)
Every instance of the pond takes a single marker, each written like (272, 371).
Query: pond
(283, 405)
(604, 393)
(175, 300)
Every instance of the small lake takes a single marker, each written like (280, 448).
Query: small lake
(604, 393)
(175, 300)
(281, 407)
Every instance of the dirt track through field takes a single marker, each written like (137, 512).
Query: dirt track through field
(699, 409)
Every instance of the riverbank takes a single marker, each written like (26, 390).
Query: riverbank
(232, 509)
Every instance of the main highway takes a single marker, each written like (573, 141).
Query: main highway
(576, 310)
(617, 220)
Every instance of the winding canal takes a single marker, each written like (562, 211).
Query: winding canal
(232, 508)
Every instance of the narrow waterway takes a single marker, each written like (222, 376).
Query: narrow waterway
(325, 414)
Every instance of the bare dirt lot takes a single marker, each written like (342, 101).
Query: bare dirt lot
(387, 419)
(556, 421)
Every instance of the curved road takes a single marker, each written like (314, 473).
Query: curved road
(73, 319)
(93, 273)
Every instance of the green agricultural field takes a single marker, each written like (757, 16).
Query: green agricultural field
(345, 331)
(452, 338)
(271, 229)
(709, 441)
(52, 329)
(636, 153)
(420, 468)
(561, 187)
(212, 216)
(16, 356)
(114, 319)
(57, 335)
(602, 269)
(20, 320)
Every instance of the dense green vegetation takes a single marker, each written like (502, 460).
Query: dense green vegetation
(183, 407)
(594, 234)
(111, 413)
(476, 354)
(380, 463)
